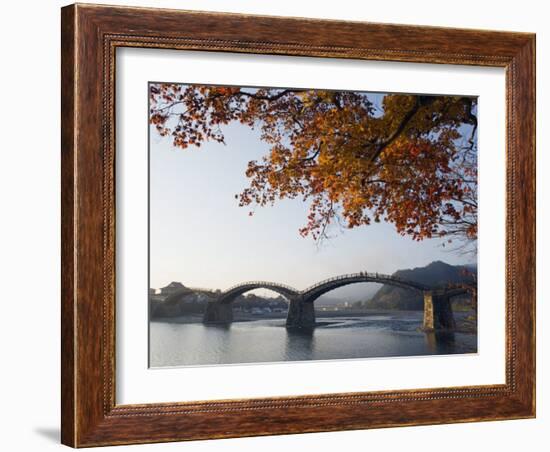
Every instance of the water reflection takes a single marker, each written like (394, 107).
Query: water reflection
(299, 343)
(268, 340)
(214, 340)
(440, 342)
(218, 326)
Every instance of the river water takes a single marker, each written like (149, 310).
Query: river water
(267, 340)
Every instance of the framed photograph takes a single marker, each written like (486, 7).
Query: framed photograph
(281, 225)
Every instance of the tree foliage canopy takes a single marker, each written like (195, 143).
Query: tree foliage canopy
(411, 161)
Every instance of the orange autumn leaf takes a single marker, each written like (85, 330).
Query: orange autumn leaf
(410, 164)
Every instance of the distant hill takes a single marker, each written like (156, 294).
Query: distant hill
(437, 273)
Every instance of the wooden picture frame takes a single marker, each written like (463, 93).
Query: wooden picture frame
(90, 36)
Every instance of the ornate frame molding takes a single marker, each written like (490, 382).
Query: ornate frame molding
(90, 37)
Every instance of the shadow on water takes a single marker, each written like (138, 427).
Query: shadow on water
(440, 342)
(301, 341)
(218, 326)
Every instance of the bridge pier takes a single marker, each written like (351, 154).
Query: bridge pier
(438, 313)
(301, 314)
(217, 312)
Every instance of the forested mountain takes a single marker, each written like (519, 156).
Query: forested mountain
(437, 273)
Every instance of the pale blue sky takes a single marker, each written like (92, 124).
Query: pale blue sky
(202, 238)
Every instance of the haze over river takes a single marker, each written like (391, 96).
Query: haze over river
(380, 334)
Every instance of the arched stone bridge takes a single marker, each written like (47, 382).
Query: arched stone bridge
(438, 314)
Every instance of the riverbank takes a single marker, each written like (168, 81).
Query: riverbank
(464, 323)
(239, 316)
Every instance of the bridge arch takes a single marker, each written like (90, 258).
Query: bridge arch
(437, 308)
(229, 295)
(312, 293)
(221, 310)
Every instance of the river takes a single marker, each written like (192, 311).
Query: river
(386, 334)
